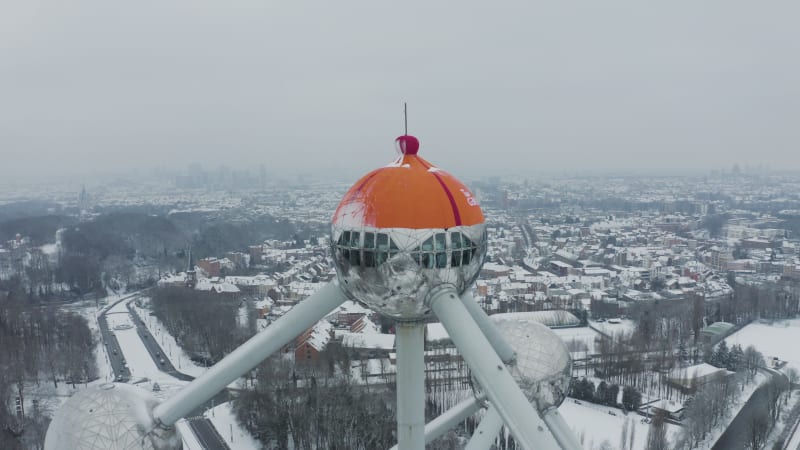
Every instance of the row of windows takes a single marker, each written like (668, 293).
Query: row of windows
(377, 248)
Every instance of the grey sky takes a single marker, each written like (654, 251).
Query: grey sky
(556, 86)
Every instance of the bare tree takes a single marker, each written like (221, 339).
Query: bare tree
(657, 434)
(757, 429)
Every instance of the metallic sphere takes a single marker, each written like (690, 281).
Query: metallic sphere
(395, 275)
(404, 229)
(543, 367)
(111, 416)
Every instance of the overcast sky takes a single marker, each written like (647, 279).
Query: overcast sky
(492, 86)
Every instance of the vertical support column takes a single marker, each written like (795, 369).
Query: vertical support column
(450, 418)
(410, 386)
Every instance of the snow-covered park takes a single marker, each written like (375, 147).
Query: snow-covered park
(597, 424)
(774, 339)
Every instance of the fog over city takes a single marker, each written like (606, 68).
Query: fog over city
(216, 233)
(90, 86)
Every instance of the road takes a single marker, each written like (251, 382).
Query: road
(202, 427)
(735, 436)
(158, 355)
(205, 432)
(121, 373)
(155, 350)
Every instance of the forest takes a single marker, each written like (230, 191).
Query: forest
(40, 345)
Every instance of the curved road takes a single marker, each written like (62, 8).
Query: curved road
(203, 429)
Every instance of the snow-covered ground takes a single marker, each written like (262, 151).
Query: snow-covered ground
(136, 355)
(50, 397)
(594, 424)
(224, 420)
(579, 340)
(794, 441)
(784, 423)
(777, 339)
(613, 327)
(177, 356)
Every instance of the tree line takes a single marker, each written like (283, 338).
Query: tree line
(39, 345)
(320, 410)
(203, 323)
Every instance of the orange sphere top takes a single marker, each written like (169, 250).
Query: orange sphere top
(408, 193)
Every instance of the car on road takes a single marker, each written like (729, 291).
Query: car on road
(161, 361)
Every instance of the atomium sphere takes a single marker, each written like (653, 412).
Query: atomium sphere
(543, 367)
(404, 229)
(110, 416)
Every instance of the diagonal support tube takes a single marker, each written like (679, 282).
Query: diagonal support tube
(248, 355)
(483, 437)
(518, 415)
(561, 430)
(503, 349)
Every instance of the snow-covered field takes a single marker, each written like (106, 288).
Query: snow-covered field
(778, 339)
(595, 425)
(224, 421)
(579, 340)
(609, 328)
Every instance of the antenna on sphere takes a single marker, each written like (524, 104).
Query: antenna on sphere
(405, 117)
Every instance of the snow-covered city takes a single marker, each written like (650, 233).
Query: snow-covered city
(678, 308)
(252, 225)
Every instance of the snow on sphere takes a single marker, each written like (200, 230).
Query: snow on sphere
(110, 416)
(402, 230)
(543, 367)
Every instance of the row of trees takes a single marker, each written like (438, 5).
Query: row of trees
(203, 323)
(735, 359)
(767, 300)
(122, 249)
(319, 411)
(605, 393)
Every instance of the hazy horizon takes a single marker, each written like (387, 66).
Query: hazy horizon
(617, 87)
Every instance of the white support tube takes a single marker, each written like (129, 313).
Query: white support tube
(563, 433)
(450, 418)
(410, 386)
(492, 375)
(503, 349)
(484, 436)
(248, 355)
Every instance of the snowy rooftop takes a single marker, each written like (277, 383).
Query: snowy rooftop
(368, 341)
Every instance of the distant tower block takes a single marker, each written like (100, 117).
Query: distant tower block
(404, 229)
